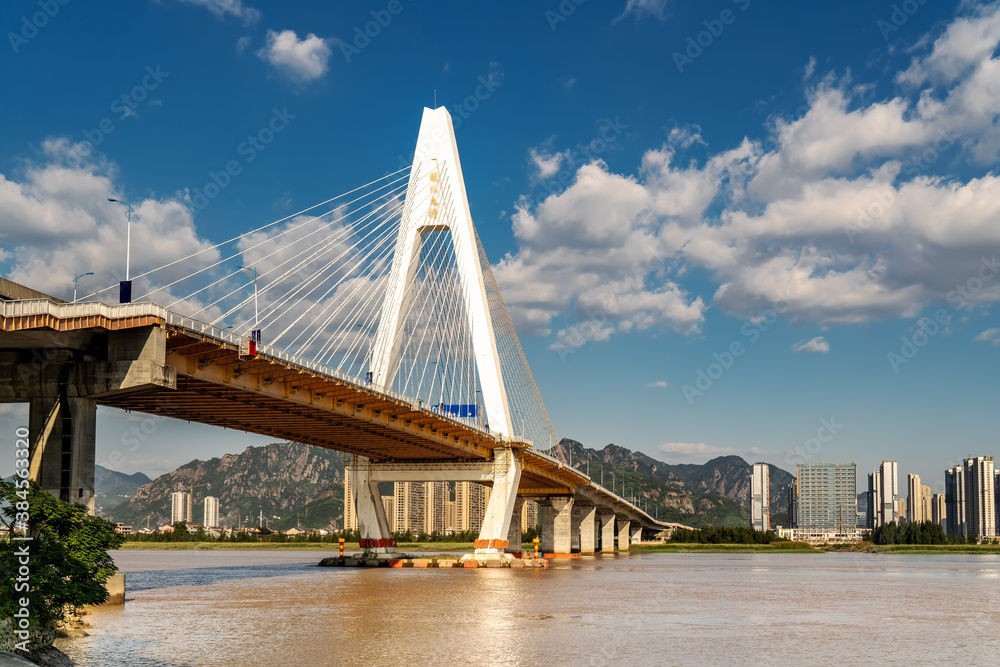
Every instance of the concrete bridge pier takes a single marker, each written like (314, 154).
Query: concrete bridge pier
(624, 532)
(607, 532)
(557, 525)
(636, 536)
(62, 435)
(373, 524)
(588, 529)
(514, 534)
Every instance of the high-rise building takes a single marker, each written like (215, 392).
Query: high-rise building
(350, 512)
(408, 507)
(874, 493)
(760, 490)
(435, 507)
(918, 500)
(827, 496)
(470, 505)
(529, 515)
(180, 507)
(901, 516)
(451, 516)
(884, 485)
(389, 505)
(939, 514)
(793, 504)
(980, 502)
(211, 512)
(996, 498)
(954, 500)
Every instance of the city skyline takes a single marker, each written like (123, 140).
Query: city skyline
(786, 241)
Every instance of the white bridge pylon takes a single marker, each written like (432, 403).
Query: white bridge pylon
(454, 322)
(441, 206)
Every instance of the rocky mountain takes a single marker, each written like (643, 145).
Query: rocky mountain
(298, 483)
(112, 488)
(690, 489)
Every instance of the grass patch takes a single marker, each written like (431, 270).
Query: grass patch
(682, 547)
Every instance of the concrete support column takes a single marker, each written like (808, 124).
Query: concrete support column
(588, 529)
(636, 536)
(500, 509)
(557, 519)
(624, 531)
(373, 525)
(514, 534)
(62, 432)
(607, 533)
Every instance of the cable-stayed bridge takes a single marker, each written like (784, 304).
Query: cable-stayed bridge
(370, 323)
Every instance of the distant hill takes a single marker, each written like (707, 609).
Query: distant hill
(299, 483)
(304, 486)
(112, 488)
(697, 493)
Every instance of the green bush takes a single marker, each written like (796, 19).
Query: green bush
(68, 560)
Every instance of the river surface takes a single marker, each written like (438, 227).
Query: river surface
(278, 608)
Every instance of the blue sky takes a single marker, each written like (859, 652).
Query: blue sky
(658, 184)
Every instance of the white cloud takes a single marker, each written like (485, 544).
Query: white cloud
(817, 344)
(547, 165)
(235, 8)
(840, 217)
(242, 44)
(990, 336)
(302, 60)
(58, 223)
(641, 8)
(659, 384)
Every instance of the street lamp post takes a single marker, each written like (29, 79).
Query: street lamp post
(125, 287)
(255, 312)
(76, 282)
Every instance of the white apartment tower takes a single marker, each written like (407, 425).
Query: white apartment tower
(180, 507)
(760, 491)
(211, 512)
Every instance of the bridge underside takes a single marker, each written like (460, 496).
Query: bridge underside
(65, 360)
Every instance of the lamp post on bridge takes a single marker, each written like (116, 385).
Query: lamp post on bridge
(255, 335)
(76, 282)
(125, 287)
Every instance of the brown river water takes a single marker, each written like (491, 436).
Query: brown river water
(278, 608)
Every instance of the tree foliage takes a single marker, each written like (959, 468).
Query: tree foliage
(67, 557)
(724, 535)
(926, 532)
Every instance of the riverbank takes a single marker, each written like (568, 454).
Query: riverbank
(918, 549)
(443, 547)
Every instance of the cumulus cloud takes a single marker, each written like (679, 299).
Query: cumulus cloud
(304, 59)
(223, 8)
(847, 213)
(547, 165)
(58, 223)
(990, 336)
(817, 344)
